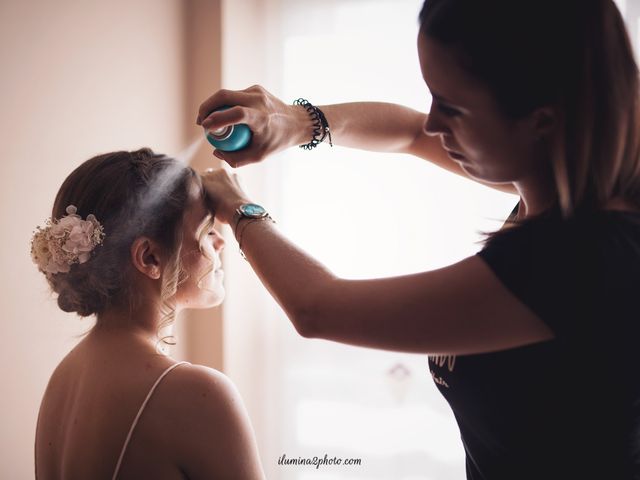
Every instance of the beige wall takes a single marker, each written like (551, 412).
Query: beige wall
(81, 78)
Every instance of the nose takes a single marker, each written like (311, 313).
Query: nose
(218, 241)
(434, 125)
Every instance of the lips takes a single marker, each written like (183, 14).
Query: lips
(452, 153)
(456, 156)
(451, 150)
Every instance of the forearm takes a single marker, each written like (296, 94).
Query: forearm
(290, 274)
(387, 127)
(374, 126)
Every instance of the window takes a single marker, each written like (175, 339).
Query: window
(364, 215)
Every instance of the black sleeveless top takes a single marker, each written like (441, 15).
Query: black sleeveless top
(567, 408)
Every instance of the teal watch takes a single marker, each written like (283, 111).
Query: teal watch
(248, 210)
(253, 212)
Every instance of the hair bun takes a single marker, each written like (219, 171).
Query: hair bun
(70, 301)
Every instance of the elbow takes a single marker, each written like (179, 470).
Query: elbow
(305, 321)
(311, 313)
(308, 314)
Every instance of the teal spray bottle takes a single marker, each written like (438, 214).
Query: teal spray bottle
(230, 138)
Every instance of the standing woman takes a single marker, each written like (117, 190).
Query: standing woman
(533, 340)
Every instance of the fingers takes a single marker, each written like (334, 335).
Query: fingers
(223, 191)
(223, 118)
(221, 98)
(221, 175)
(251, 107)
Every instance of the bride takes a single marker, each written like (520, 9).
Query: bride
(131, 241)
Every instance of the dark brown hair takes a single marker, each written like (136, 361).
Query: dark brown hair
(571, 54)
(132, 194)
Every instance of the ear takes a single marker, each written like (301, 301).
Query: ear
(544, 121)
(145, 256)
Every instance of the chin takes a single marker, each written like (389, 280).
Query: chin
(470, 171)
(484, 175)
(206, 299)
(213, 298)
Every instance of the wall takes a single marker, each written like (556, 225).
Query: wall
(78, 79)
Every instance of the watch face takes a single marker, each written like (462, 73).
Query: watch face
(253, 210)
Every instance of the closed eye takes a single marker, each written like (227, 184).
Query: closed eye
(448, 111)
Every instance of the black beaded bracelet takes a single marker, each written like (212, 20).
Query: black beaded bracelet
(320, 124)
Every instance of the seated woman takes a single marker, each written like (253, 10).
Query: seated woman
(131, 241)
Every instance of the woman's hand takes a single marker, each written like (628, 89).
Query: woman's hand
(274, 124)
(224, 194)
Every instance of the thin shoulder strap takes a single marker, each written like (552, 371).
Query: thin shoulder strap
(144, 404)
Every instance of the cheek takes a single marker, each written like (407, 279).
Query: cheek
(208, 252)
(201, 278)
(196, 263)
(485, 141)
(488, 153)
(203, 261)
(475, 136)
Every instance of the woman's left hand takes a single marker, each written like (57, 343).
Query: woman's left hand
(223, 192)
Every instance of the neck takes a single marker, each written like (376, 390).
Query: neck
(536, 196)
(138, 326)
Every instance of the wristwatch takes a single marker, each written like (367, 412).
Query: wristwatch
(248, 210)
(253, 212)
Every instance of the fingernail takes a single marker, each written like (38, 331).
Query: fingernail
(218, 154)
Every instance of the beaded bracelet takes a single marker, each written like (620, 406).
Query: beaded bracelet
(320, 124)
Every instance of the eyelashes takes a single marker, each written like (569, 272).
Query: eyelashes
(443, 108)
(448, 111)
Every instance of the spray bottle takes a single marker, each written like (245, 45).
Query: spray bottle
(230, 138)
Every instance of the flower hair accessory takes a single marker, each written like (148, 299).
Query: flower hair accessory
(66, 241)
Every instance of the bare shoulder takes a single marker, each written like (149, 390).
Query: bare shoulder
(203, 394)
(194, 378)
(210, 425)
(203, 391)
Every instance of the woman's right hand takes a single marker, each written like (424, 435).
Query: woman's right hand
(274, 124)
